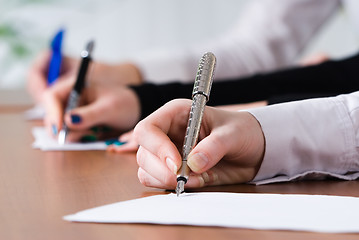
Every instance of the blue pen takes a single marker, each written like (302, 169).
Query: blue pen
(56, 58)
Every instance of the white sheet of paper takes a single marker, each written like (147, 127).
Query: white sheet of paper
(46, 143)
(318, 213)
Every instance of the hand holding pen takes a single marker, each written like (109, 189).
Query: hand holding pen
(229, 150)
(102, 106)
(75, 94)
(50, 66)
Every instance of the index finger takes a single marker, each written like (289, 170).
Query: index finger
(36, 76)
(54, 100)
(152, 132)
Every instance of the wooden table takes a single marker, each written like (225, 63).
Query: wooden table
(38, 188)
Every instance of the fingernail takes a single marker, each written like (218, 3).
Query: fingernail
(118, 143)
(209, 177)
(88, 138)
(54, 129)
(205, 177)
(110, 141)
(197, 162)
(75, 119)
(171, 165)
(214, 177)
(201, 181)
(107, 129)
(114, 142)
(102, 129)
(95, 129)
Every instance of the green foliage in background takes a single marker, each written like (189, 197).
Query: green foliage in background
(9, 35)
(18, 46)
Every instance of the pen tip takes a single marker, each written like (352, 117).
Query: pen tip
(62, 137)
(180, 187)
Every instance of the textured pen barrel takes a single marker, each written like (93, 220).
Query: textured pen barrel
(200, 96)
(204, 76)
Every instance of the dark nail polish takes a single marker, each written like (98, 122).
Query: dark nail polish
(101, 129)
(54, 129)
(114, 142)
(95, 129)
(88, 138)
(107, 129)
(118, 143)
(75, 118)
(110, 141)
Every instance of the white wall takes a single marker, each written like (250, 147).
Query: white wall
(337, 38)
(123, 28)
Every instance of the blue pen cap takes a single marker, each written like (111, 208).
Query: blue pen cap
(56, 43)
(56, 58)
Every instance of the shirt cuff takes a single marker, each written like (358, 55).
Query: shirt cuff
(311, 139)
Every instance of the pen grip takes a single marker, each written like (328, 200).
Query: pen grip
(192, 131)
(194, 124)
(73, 100)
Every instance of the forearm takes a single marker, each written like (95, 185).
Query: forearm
(328, 79)
(114, 74)
(266, 37)
(152, 96)
(310, 139)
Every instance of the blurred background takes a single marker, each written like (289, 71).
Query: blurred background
(126, 28)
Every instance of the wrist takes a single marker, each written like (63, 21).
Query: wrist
(129, 110)
(135, 108)
(254, 144)
(126, 73)
(132, 74)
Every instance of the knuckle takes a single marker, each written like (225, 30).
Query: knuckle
(163, 152)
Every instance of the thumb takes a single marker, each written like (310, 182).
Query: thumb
(207, 153)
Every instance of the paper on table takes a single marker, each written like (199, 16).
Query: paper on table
(316, 213)
(47, 143)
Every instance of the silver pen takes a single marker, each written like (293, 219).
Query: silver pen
(75, 94)
(200, 96)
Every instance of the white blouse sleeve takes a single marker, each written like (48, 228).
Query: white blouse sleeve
(311, 139)
(269, 35)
